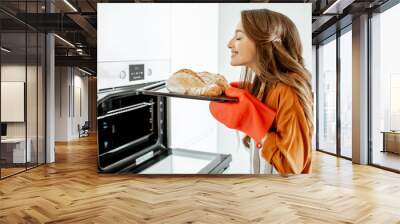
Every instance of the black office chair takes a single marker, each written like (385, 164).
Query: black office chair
(84, 130)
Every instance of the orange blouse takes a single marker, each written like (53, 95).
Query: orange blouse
(287, 145)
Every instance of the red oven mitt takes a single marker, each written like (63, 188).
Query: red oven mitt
(249, 115)
(234, 84)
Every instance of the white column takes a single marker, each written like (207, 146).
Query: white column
(50, 92)
(50, 99)
(360, 90)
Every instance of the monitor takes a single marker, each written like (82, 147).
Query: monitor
(3, 129)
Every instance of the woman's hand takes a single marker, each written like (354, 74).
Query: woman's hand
(248, 115)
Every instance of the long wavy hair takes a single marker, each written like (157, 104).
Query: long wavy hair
(278, 59)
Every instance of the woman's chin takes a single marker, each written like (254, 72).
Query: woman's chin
(234, 63)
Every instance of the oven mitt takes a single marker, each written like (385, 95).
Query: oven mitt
(249, 115)
(234, 84)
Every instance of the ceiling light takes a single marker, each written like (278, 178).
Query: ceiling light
(70, 5)
(65, 41)
(5, 50)
(326, 11)
(338, 6)
(84, 71)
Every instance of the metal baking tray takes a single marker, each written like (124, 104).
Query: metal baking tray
(160, 89)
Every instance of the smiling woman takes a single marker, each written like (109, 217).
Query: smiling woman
(241, 43)
(275, 99)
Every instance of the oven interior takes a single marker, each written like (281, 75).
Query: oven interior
(129, 126)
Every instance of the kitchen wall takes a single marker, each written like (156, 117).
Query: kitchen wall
(194, 45)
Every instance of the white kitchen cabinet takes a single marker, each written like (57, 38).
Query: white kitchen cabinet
(129, 32)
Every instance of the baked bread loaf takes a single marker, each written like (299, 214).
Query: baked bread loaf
(186, 81)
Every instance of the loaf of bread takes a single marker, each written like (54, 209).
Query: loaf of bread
(186, 81)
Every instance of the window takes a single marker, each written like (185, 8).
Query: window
(385, 89)
(327, 97)
(346, 94)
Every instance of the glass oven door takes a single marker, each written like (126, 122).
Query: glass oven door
(125, 127)
(179, 161)
(183, 161)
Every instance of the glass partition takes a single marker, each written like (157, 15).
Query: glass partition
(13, 95)
(23, 90)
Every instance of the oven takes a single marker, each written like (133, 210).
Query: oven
(133, 135)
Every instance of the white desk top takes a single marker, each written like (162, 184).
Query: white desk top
(13, 140)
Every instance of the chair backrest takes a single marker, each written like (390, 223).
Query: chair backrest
(86, 125)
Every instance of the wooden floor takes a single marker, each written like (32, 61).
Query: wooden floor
(71, 191)
(387, 159)
(10, 171)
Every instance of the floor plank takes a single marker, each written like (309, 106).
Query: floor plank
(71, 191)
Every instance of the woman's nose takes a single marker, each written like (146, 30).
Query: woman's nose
(230, 44)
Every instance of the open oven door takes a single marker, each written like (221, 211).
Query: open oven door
(132, 135)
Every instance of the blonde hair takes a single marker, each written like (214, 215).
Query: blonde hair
(279, 59)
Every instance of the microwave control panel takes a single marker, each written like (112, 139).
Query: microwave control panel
(136, 72)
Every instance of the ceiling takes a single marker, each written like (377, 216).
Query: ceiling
(76, 22)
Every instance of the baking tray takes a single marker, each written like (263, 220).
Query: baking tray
(160, 89)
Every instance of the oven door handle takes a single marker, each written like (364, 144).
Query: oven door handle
(125, 109)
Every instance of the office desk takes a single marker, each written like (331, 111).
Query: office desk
(391, 141)
(13, 150)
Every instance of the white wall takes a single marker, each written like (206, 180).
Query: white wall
(129, 31)
(229, 16)
(61, 103)
(68, 82)
(79, 117)
(194, 45)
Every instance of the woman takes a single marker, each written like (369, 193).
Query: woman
(275, 107)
